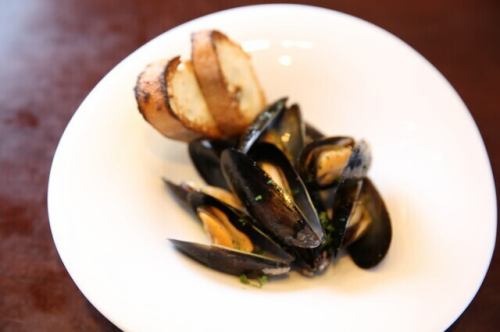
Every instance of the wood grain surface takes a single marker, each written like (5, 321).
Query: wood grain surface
(53, 52)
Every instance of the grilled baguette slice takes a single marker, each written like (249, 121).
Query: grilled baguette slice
(227, 80)
(170, 99)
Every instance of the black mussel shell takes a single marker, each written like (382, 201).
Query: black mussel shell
(312, 134)
(180, 191)
(261, 123)
(323, 202)
(346, 198)
(268, 153)
(183, 189)
(265, 202)
(311, 262)
(232, 261)
(244, 223)
(372, 246)
(205, 155)
(287, 133)
(280, 126)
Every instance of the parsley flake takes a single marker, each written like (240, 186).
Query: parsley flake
(262, 280)
(323, 218)
(258, 283)
(244, 279)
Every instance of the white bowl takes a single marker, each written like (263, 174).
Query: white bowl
(110, 214)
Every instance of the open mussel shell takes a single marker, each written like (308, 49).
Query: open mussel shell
(280, 126)
(261, 123)
(287, 133)
(205, 155)
(369, 246)
(361, 222)
(232, 261)
(242, 222)
(266, 202)
(326, 162)
(270, 155)
(321, 162)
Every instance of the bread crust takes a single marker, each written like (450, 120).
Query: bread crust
(155, 107)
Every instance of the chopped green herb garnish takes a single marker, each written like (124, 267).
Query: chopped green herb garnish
(244, 279)
(242, 221)
(323, 218)
(269, 181)
(258, 198)
(258, 283)
(262, 280)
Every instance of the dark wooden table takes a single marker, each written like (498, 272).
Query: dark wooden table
(53, 52)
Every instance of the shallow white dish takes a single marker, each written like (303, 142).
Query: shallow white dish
(110, 215)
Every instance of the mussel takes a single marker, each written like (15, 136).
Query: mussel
(361, 222)
(238, 245)
(369, 242)
(327, 161)
(205, 155)
(240, 221)
(279, 125)
(267, 203)
(261, 123)
(275, 164)
(232, 261)
(309, 261)
(287, 133)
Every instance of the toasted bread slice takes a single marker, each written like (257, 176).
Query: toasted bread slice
(170, 99)
(228, 81)
(186, 99)
(153, 106)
